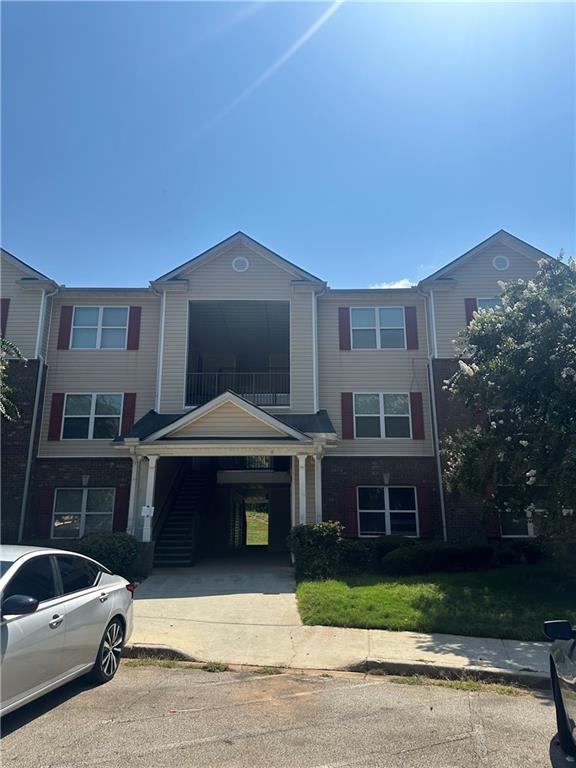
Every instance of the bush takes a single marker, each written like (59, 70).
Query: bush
(316, 550)
(522, 551)
(117, 551)
(365, 555)
(436, 556)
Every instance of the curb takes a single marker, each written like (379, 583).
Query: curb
(524, 678)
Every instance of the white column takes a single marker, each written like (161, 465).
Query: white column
(318, 487)
(302, 488)
(131, 526)
(149, 502)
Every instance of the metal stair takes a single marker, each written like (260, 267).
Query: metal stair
(178, 538)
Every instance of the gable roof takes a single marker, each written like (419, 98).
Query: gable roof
(511, 241)
(240, 238)
(26, 268)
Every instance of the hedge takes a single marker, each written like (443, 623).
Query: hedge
(117, 551)
(436, 556)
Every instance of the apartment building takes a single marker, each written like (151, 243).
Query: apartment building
(160, 410)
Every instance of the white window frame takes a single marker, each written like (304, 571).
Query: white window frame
(82, 512)
(101, 308)
(387, 512)
(92, 415)
(376, 327)
(383, 415)
(529, 527)
(485, 298)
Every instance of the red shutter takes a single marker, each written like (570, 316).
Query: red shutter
(425, 522)
(350, 512)
(344, 327)
(128, 411)
(121, 502)
(56, 411)
(65, 327)
(45, 507)
(4, 307)
(492, 525)
(417, 412)
(411, 327)
(347, 416)
(470, 306)
(134, 328)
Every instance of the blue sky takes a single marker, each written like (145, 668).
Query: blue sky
(373, 145)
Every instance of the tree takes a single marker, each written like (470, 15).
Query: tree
(517, 370)
(8, 350)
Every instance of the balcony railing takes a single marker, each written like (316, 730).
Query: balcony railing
(268, 388)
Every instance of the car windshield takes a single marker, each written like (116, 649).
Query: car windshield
(4, 565)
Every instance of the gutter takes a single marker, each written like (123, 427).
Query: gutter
(431, 356)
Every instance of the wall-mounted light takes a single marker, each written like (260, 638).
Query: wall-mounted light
(85, 480)
(386, 478)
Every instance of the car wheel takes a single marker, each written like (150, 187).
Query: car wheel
(564, 730)
(109, 653)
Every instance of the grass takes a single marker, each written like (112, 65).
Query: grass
(214, 666)
(256, 527)
(463, 684)
(508, 602)
(269, 671)
(151, 661)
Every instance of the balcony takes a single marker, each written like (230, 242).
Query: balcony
(263, 388)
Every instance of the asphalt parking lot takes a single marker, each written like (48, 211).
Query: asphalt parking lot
(154, 717)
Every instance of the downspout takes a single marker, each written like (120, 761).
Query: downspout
(159, 368)
(39, 380)
(432, 353)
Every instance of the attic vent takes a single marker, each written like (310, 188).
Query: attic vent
(501, 263)
(240, 264)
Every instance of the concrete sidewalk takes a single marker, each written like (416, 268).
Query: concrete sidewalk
(221, 613)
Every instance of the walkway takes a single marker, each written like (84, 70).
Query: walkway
(236, 613)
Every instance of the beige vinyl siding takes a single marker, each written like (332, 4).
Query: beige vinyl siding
(302, 351)
(372, 370)
(215, 280)
(24, 310)
(228, 420)
(101, 370)
(476, 278)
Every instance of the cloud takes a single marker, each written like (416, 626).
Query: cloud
(402, 283)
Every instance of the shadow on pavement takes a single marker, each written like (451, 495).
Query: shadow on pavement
(558, 758)
(28, 713)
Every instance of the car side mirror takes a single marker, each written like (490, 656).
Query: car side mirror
(559, 630)
(19, 605)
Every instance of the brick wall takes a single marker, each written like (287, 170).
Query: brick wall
(22, 378)
(62, 473)
(339, 473)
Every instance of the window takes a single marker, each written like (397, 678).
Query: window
(382, 415)
(99, 328)
(34, 579)
(79, 511)
(92, 417)
(76, 573)
(378, 328)
(387, 510)
(491, 303)
(517, 525)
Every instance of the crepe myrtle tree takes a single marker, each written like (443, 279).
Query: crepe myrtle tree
(517, 372)
(8, 351)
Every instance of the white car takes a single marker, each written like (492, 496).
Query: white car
(62, 615)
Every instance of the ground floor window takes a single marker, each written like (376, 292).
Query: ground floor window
(387, 510)
(516, 524)
(79, 511)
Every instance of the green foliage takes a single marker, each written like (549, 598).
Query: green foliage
(215, 666)
(316, 550)
(117, 551)
(365, 555)
(518, 367)
(8, 351)
(436, 556)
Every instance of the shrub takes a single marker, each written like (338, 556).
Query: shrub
(361, 555)
(117, 551)
(531, 551)
(436, 556)
(316, 550)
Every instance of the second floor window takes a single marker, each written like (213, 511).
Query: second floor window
(99, 328)
(490, 303)
(378, 328)
(92, 416)
(382, 415)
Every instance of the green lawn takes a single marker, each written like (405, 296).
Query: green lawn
(256, 527)
(508, 602)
